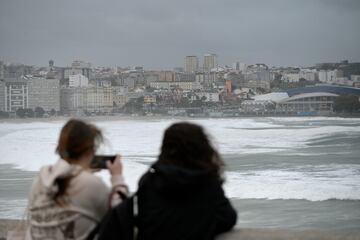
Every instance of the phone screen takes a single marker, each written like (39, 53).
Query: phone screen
(99, 161)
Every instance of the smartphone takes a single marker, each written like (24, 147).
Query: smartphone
(99, 161)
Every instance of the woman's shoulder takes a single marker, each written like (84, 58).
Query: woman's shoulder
(87, 178)
(88, 186)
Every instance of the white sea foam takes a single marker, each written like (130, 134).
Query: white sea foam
(30, 145)
(313, 119)
(13, 208)
(314, 183)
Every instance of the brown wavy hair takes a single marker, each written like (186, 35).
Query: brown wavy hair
(76, 139)
(187, 145)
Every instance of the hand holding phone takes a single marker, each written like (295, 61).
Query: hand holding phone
(99, 161)
(115, 167)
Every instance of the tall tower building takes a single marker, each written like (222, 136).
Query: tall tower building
(236, 66)
(210, 61)
(191, 64)
(2, 70)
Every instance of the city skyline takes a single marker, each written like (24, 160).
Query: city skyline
(158, 35)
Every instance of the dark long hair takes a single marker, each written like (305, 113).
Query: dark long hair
(76, 139)
(186, 145)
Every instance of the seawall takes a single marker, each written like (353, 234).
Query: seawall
(244, 234)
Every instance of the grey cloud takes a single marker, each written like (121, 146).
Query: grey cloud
(159, 33)
(346, 5)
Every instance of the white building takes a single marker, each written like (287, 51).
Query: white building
(119, 94)
(308, 74)
(2, 95)
(243, 67)
(330, 76)
(290, 77)
(89, 99)
(99, 99)
(323, 76)
(78, 80)
(78, 67)
(355, 78)
(15, 95)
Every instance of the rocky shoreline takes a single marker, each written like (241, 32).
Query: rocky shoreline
(243, 234)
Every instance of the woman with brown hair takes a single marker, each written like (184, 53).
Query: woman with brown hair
(67, 200)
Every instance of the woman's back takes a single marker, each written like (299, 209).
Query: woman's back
(180, 203)
(66, 200)
(180, 197)
(86, 203)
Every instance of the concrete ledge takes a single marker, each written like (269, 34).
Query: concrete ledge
(244, 234)
(5, 226)
(269, 234)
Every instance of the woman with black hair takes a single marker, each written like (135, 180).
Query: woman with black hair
(181, 196)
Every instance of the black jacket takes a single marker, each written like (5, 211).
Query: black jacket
(177, 203)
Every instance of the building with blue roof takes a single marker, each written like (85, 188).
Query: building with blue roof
(324, 89)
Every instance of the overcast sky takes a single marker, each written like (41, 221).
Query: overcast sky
(160, 33)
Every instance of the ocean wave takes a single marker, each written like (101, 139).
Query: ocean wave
(308, 154)
(13, 208)
(306, 119)
(32, 145)
(242, 136)
(14, 179)
(313, 183)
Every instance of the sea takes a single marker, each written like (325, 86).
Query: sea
(300, 173)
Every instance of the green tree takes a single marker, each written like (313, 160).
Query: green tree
(39, 112)
(347, 104)
(20, 112)
(184, 102)
(4, 114)
(29, 112)
(197, 103)
(52, 112)
(134, 105)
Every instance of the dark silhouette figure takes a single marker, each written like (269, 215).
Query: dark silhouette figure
(180, 197)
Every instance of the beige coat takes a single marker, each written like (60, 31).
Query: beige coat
(88, 200)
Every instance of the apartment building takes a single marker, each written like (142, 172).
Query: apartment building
(44, 93)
